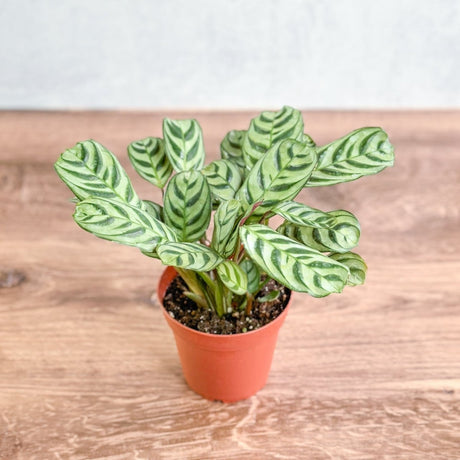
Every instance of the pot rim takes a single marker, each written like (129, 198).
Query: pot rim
(167, 273)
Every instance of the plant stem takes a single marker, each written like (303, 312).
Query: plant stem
(200, 301)
(192, 282)
(250, 300)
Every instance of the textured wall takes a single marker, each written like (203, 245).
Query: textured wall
(240, 53)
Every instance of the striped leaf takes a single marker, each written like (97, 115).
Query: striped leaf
(122, 223)
(233, 277)
(355, 264)
(267, 129)
(187, 205)
(361, 153)
(342, 236)
(149, 159)
(306, 139)
(225, 233)
(184, 144)
(191, 256)
(153, 209)
(300, 214)
(224, 179)
(89, 169)
(231, 147)
(252, 273)
(299, 268)
(279, 175)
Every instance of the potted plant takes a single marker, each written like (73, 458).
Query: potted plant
(226, 291)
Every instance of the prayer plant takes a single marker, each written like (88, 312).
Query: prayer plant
(260, 173)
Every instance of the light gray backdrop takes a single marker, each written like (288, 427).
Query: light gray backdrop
(229, 54)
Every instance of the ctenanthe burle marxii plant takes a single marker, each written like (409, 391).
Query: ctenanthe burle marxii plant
(260, 173)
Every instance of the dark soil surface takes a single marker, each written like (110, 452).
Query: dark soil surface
(188, 313)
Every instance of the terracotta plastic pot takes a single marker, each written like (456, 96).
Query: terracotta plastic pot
(227, 368)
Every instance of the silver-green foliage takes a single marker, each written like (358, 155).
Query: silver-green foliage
(363, 152)
(293, 264)
(122, 223)
(261, 172)
(231, 148)
(184, 144)
(341, 236)
(90, 170)
(233, 276)
(192, 256)
(224, 179)
(267, 129)
(279, 175)
(149, 159)
(187, 205)
(355, 264)
(225, 231)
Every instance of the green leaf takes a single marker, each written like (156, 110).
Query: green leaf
(342, 236)
(231, 147)
(270, 297)
(293, 264)
(224, 179)
(233, 277)
(225, 233)
(267, 129)
(187, 205)
(149, 159)
(355, 264)
(252, 273)
(191, 256)
(360, 153)
(153, 209)
(306, 139)
(184, 144)
(89, 169)
(122, 223)
(301, 214)
(278, 176)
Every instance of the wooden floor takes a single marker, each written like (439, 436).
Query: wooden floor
(88, 367)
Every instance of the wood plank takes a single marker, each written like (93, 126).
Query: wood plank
(88, 368)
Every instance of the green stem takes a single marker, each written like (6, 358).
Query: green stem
(191, 280)
(220, 301)
(200, 301)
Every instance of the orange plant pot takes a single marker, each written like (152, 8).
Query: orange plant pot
(227, 368)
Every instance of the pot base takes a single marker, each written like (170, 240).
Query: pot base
(226, 368)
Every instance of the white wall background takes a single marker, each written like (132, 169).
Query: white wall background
(229, 54)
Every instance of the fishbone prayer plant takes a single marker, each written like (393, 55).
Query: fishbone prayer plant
(260, 173)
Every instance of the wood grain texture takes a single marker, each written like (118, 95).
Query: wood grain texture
(88, 368)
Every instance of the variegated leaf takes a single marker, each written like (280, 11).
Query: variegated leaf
(231, 147)
(306, 139)
(184, 144)
(299, 268)
(191, 256)
(89, 169)
(122, 223)
(279, 175)
(267, 129)
(301, 214)
(360, 153)
(355, 264)
(224, 179)
(187, 205)
(225, 234)
(252, 273)
(154, 209)
(233, 277)
(149, 159)
(340, 237)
